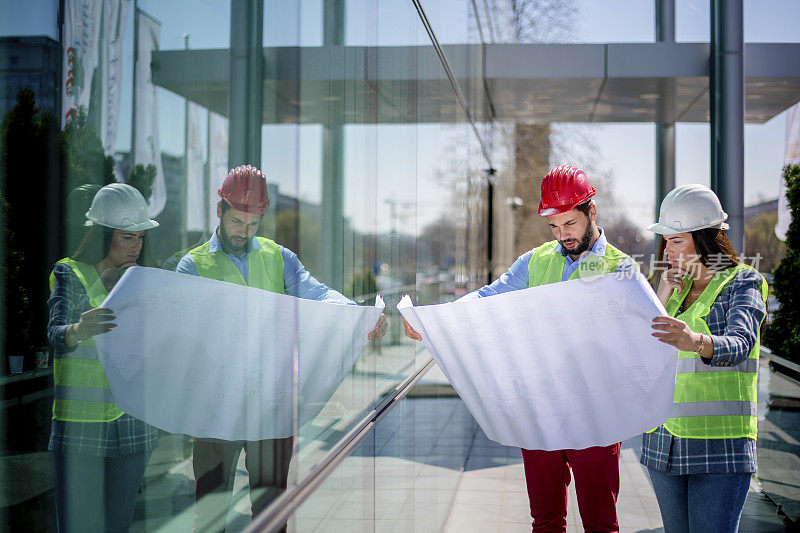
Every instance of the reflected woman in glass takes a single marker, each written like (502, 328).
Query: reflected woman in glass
(100, 452)
(700, 461)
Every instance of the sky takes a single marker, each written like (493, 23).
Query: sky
(627, 151)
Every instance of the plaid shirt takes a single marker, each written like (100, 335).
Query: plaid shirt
(124, 436)
(734, 320)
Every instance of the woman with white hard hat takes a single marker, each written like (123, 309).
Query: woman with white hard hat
(100, 452)
(701, 459)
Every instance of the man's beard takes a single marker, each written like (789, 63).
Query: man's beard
(227, 242)
(584, 243)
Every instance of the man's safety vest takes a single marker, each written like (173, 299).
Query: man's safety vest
(82, 393)
(265, 266)
(713, 402)
(547, 265)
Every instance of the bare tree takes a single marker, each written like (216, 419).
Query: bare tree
(540, 21)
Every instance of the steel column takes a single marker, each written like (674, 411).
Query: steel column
(246, 83)
(727, 113)
(665, 127)
(333, 153)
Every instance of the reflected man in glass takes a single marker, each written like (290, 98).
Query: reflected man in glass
(236, 255)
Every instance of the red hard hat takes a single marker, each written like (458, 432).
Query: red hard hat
(245, 189)
(563, 188)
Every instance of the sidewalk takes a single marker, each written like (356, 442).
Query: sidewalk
(429, 463)
(779, 440)
(491, 496)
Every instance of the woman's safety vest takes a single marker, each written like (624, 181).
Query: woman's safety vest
(264, 265)
(713, 402)
(82, 393)
(547, 265)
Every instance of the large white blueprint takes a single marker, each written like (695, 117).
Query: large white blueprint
(562, 366)
(213, 359)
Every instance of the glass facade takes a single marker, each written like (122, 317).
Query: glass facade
(393, 165)
(376, 181)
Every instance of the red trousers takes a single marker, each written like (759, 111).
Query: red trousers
(596, 473)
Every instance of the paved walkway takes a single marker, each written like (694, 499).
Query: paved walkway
(491, 496)
(429, 467)
(779, 440)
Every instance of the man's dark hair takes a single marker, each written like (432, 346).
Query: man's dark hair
(224, 206)
(584, 207)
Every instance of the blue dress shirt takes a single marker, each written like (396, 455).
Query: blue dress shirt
(516, 278)
(296, 279)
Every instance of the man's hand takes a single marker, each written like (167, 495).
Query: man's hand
(410, 333)
(92, 322)
(380, 329)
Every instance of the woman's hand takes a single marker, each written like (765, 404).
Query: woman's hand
(676, 333)
(110, 276)
(671, 280)
(380, 329)
(409, 331)
(92, 322)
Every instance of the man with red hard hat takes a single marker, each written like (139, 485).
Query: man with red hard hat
(235, 254)
(579, 251)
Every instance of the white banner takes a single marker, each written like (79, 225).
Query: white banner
(213, 359)
(791, 156)
(217, 162)
(115, 17)
(195, 170)
(81, 30)
(562, 366)
(147, 145)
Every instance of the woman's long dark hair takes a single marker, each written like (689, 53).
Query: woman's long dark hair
(96, 243)
(715, 249)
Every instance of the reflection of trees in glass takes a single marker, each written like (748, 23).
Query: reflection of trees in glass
(532, 21)
(436, 245)
(18, 305)
(362, 284)
(549, 21)
(142, 178)
(29, 155)
(85, 159)
(760, 238)
(783, 335)
(300, 233)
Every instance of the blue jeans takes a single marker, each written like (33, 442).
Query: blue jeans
(97, 493)
(700, 502)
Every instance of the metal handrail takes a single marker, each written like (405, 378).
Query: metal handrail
(282, 508)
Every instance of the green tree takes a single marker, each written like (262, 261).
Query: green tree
(30, 152)
(85, 159)
(18, 305)
(300, 233)
(783, 335)
(363, 283)
(760, 239)
(142, 178)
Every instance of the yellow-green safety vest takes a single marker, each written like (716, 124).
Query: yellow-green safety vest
(265, 266)
(713, 402)
(547, 265)
(82, 392)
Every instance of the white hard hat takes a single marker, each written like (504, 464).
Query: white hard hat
(689, 208)
(119, 206)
